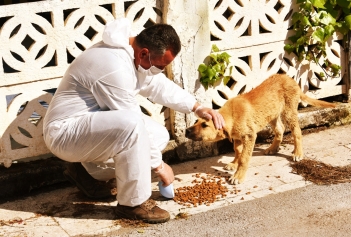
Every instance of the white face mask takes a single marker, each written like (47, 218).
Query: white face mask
(151, 71)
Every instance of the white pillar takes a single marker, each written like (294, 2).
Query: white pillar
(190, 20)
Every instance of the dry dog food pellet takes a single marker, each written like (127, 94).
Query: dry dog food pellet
(205, 191)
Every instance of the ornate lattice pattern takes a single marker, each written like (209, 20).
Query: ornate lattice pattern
(38, 42)
(263, 26)
(39, 39)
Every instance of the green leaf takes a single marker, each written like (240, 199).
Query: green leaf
(308, 57)
(297, 16)
(215, 48)
(326, 18)
(211, 73)
(329, 30)
(289, 48)
(217, 67)
(322, 76)
(205, 84)
(348, 21)
(294, 38)
(331, 9)
(346, 11)
(305, 21)
(202, 67)
(342, 28)
(302, 40)
(318, 3)
(345, 4)
(225, 56)
(335, 67)
(332, 2)
(306, 5)
(300, 50)
(213, 56)
(230, 70)
(223, 67)
(319, 35)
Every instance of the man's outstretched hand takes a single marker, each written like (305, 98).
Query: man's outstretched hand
(208, 114)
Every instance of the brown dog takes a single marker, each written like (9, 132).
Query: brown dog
(274, 101)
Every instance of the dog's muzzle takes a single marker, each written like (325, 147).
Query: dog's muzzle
(189, 133)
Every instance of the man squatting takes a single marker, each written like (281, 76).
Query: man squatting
(95, 122)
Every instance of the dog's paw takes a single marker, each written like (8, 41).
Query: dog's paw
(237, 178)
(271, 151)
(297, 158)
(231, 166)
(233, 180)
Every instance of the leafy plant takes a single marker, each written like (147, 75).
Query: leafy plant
(314, 23)
(215, 69)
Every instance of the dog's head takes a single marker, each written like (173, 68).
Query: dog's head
(204, 130)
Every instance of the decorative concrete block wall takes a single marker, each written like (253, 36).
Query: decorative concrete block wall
(39, 39)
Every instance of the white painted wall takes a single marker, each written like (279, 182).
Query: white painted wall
(38, 40)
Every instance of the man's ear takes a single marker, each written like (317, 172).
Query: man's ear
(144, 52)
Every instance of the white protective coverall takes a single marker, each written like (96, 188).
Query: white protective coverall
(94, 117)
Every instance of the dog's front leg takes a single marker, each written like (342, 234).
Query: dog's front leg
(248, 143)
(238, 148)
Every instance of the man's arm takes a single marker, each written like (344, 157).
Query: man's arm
(163, 91)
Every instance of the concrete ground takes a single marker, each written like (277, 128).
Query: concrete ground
(268, 203)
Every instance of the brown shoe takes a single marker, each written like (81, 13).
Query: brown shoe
(92, 188)
(147, 212)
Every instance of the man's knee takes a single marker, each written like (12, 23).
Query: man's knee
(133, 125)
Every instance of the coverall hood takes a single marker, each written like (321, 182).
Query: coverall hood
(117, 33)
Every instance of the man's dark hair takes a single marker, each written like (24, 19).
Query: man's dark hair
(158, 39)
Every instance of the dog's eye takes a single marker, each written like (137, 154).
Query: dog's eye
(204, 125)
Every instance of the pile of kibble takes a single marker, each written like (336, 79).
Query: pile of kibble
(207, 189)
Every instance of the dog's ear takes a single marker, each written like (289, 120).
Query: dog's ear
(222, 133)
(226, 133)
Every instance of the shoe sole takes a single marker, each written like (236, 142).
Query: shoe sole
(150, 221)
(71, 180)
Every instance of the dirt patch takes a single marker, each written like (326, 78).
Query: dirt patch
(320, 173)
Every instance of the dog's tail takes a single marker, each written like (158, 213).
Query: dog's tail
(314, 102)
